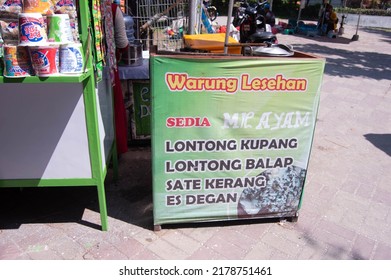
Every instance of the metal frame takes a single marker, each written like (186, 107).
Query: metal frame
(98, 171)
(159, 23)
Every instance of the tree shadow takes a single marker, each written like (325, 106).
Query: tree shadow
(380, 141)
(351, 64)
(20, 206)
(129, 199)
(324, 39)
(334, 252)
(380, 31)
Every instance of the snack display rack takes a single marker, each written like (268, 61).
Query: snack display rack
(58, 131)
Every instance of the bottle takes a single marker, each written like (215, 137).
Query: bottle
(129, 28)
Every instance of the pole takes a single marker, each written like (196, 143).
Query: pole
(302, 6)
(192, 16)
(229, 20)
(355, 36)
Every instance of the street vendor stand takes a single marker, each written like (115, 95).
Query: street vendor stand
(58, 130)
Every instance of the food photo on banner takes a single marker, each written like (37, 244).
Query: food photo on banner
(231, 138)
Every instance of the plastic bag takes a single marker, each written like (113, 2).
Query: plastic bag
(44, 7)
(9, 29)
(10, 8)
(65, 7)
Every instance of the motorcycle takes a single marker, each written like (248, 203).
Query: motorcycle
(251, 21)
(211, 11)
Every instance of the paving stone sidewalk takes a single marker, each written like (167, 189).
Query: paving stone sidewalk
(346, 211)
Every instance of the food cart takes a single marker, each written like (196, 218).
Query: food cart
(231, 132)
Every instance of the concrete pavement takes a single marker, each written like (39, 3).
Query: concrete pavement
(346, 211)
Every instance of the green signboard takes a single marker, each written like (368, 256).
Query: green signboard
(231, 137)
(142, 108)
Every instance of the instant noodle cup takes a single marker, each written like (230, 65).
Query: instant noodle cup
(16, 62)
(32, 30)
(59, 29)
(45, 60)
(68, 7)
(71, 59)
(44, 7)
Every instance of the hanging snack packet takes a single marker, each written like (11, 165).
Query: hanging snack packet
(10, 8)
(44, 7)
(1, 48)
(75, 29)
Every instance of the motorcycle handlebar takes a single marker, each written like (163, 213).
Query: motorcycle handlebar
(245, 3)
